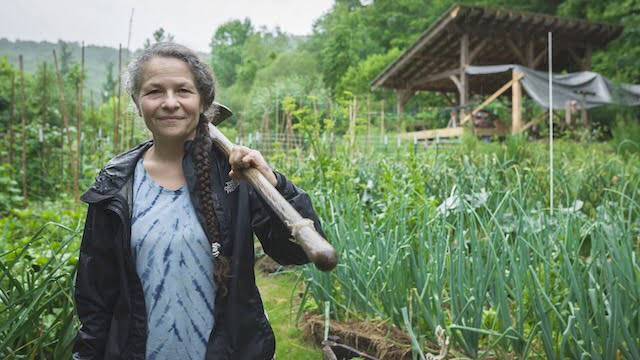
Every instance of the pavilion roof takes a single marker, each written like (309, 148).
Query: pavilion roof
(495, 37)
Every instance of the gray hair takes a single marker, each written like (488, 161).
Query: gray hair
(202, 75)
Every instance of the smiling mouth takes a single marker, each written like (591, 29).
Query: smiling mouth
(169, 118)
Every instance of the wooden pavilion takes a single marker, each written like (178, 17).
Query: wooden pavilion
(472, 35)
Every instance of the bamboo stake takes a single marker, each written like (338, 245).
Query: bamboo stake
(132, 123)
(11, 111)
(23, 115)
(65, 120)
(44, 119)
(79, 90)
(276, 114)
(368, 120)
(116, 129)
(382, 119)
(115, 120)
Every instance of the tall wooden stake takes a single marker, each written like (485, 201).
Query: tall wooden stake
(79, 90)
(23, 114)
(11, 111)
(43, 138)
(382, 118)
(65, 120)
(516, 103)
(116, 129)
(276, 114)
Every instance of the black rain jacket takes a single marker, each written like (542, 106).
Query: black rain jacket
(109, 296)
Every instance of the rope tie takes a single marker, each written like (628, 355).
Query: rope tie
(297, 226)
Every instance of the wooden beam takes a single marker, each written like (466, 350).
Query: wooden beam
(530, 53)
(533, 122)
(492, 97)
(473, 53)
(516, 51)
(516, 103)
(457, 82)
(433, 133)
(539, 58)
(575, 57)
(436, 77)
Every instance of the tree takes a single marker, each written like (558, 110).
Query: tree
(226, 49)
(158, 37)
(66, 59)
(109, 84)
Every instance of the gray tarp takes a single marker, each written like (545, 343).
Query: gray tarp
(566, 87)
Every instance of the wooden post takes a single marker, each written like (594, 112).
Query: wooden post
(352, 123)
(402, 97)
(23, 115)
(530, 54)
(464, 78)
(276, 115)
(116, 129)
(368, 117)
(79, 90)
(586, 63)
(11, 111)
(43, 113)
(382, 118)
(65, 120)
(516, 103)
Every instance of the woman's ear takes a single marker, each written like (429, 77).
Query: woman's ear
(137, 105)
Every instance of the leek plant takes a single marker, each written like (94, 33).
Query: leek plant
(465, 241)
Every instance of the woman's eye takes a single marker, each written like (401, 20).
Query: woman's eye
(185, 90)
(153, 92)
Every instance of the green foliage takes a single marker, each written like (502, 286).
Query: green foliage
(226, 49)
(357, 79)
(465, 239)
(37, 266)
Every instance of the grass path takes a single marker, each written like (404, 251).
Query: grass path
(276, 296)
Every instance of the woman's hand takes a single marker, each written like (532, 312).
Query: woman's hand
(242, 157)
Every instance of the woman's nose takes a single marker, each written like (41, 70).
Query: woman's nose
(170, 101)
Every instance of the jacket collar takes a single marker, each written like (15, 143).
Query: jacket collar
(118, 170)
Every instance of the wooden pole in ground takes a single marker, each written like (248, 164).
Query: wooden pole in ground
(276, 114)
(117, 130)
(43, 112)
(368, 116)
(11, 111)
(116, 111)
(516, 103)
(79, 90)
(382, 118)
(65, 120)
(132, 123)
(23, 115)
(115, 120)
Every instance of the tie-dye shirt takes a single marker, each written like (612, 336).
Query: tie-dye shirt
(174, 263)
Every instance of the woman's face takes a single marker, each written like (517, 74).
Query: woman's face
(169, 101)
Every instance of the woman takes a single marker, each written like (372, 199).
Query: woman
(166, 261)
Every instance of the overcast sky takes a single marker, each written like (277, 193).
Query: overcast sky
(106, 22)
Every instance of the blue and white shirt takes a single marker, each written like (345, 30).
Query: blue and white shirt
(174, 263)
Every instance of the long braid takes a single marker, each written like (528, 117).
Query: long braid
(201, 153)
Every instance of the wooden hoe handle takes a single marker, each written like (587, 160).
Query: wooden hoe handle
(304, 233)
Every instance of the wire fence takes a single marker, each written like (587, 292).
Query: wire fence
(270, 143)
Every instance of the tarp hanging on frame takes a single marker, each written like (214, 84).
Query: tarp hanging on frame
(597, 89)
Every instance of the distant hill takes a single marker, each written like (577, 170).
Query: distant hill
(35, 53)
(96, 59)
